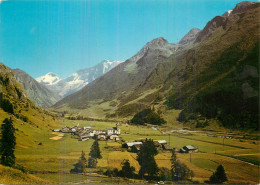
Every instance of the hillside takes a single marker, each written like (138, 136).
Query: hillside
(215, 78)
(14, 176)
(121, 80)
(27, 117)
(38, 93)
(218, 63)
(30, 123)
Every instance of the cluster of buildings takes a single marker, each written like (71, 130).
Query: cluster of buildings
(112, 133)
(85, 133)
(136, 145)
(161, 145)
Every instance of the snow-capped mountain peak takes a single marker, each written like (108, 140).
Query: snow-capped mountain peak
(77, 80)
(227, 13)
(49, 79)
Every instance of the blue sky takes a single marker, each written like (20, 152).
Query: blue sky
(64, 36)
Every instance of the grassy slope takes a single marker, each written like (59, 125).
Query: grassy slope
(13, 176)
(28, 135)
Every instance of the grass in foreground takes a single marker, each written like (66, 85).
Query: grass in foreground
(54, 159)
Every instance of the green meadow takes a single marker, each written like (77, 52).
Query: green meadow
(52, 160)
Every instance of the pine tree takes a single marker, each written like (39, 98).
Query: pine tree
(82, 162)
(173, 163)
(92, 162)
(127, 170)
(81, 165)
(94, 154)
(95, 151)
(145, 158)
(219, 176)
(8, 142)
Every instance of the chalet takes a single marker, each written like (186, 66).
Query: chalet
(87, 127)
(91, 133)
(114, 137)
(129, 145)
(158, 145)
(85, 133)
(84, 139)
(188, 149)
(56, 130)
(101, 137)
(113, 130)
(98, 132)
(66, 130)
(162, 141)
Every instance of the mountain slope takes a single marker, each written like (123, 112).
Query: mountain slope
(169, 76)
(122, 79)
(30, 121)
(31, 124)
(217, 74)
(14, 101)
(76, 81)
(38, 93)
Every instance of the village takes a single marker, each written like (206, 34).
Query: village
(86, 133)
(112, 133)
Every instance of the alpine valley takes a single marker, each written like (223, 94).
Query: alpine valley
(197, 75)
(173, 113)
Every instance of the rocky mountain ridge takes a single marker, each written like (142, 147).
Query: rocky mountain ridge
(38, 93)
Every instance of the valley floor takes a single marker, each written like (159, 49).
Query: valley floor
(54, 156)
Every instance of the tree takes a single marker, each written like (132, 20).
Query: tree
(145, 158)
(92, 162)
(173, 163)
(94, 154)
(165, 174)
(219, 176)
(182, 172)
(127, 170)
(81, 165)
(8, 142)
(95, 151)
(147, 116)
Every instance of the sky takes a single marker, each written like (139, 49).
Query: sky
(63, 36)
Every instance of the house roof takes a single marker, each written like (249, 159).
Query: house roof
(162, 141)
(87, 127)
(190, 147)
(133, 143)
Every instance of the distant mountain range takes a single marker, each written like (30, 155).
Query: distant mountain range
(76, 81)
(195, 75)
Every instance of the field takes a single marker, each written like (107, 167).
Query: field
(52, 159)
